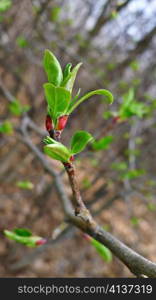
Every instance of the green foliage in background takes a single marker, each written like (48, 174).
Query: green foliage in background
(22, 42)
(129, 108)
(17, 109)
(6, 127)
(5, 5)
(125, 173)
(25, 184)
(103, 143)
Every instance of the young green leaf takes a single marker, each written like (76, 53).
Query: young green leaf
(21, 236)
(52, 68)
(102, 143)
(58, 100)
(108, 96)
(79, 141)
(57, 151)
(48, 140)
(22, 232)
(69, 80)
(102, 250)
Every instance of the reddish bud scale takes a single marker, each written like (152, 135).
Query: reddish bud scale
(72, 158)
(41, 242)
(86, 237)
(49, 123)
(61, 122)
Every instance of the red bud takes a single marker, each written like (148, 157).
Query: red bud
(49, 123)
(61, 122)
(41, 242)
(72, 158)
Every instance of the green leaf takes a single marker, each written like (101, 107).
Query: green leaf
(17, 109)
(6, 127)
(79, 141)
(57, 151)
(130, 107)
(102, 143)
(52, 68)
(21, 236)
(132, 174)
(138, 109)
(22, 232)
(107, 94)
(58, 100)
(5, 5)
(25, 184)
(69, 80)
(102, 250)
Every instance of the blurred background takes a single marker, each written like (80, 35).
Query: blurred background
(116, 42)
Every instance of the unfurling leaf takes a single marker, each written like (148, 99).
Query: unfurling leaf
(69, 80)
(108, 96)
(25, 237)
(66, 71)
(79, 141)
(102, 250)
(48, 140)
(52, 68)
(57, 151)
(58, 100)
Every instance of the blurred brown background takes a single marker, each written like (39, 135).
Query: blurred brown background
(116, 41)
